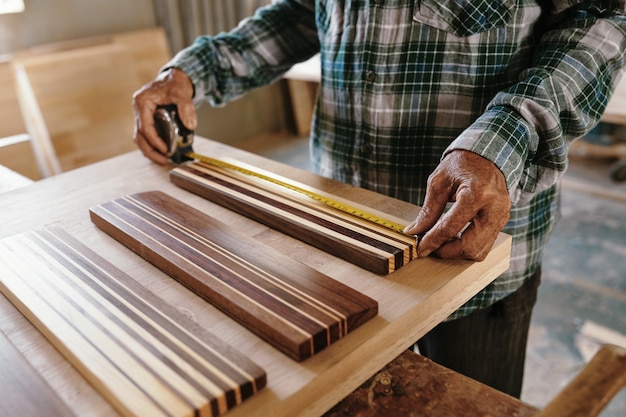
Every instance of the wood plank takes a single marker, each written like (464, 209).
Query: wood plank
(125, 341)
(592, 389)
(363, 243)
(24, 392)
(293, 307)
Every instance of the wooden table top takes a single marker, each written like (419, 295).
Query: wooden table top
(411, 300)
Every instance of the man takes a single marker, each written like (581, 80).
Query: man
(464, 107)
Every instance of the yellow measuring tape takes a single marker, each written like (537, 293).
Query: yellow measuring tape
(346, 208)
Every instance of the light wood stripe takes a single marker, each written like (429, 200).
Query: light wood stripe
(141, 358)
(295, 308)
(363, 243)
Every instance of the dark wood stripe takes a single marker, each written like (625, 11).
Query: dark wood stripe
(104, 302)
(289, 214)
(295, 308)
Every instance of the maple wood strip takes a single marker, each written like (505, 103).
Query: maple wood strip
(295, 308)
(24, 392)
(344, 241)
(142, 359)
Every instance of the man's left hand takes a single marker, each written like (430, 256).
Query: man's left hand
(480, 208)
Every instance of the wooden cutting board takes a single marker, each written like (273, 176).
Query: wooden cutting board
(127, 343)
(368, 245)
(297, 309)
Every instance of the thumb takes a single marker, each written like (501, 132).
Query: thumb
(187, 114)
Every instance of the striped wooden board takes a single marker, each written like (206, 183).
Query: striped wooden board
(140, 357)
(295, 308)
(23, 391)
(368, 245)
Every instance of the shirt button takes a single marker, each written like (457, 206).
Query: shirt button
(370, 76)
(367, 149)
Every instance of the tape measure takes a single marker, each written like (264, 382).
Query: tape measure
(179, 140)
(338, 205)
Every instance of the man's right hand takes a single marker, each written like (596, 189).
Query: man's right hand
(171, 86)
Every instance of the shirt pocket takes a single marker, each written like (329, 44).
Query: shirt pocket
(463, 17)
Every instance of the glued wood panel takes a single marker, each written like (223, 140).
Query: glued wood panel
(129, 345)
(298, 310)
(368, 245)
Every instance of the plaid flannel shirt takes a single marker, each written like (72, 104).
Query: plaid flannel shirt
(406, 81)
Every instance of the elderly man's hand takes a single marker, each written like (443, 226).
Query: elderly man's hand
(480, 208)
(172, 86)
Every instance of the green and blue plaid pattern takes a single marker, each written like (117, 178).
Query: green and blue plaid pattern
(404, 82)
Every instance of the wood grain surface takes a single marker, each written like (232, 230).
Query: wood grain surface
(24, 392)
(293, 307)
(125, 341)
(368, 245)
(412, 385)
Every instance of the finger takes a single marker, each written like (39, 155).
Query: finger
(473, 244)
(434, 205)
(148, 129)
(149, 152)
(449, 226)
(476, 241)
(187, 114)
(144, 105)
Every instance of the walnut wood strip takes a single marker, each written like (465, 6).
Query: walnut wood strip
(141, 358)
(368, 245)
(24, 392)
(293, 307)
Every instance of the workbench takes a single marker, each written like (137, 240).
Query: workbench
(412, 300)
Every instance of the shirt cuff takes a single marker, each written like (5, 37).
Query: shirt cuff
(503, 137)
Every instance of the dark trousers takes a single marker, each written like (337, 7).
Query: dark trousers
(488, 345)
